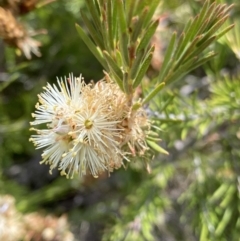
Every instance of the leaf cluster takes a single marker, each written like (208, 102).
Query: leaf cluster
(186, 53)
(120, 37)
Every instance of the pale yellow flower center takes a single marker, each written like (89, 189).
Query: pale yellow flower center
(88, 124)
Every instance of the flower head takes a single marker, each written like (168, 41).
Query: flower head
(90, 128)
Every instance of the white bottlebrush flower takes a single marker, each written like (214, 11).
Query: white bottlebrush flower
(81, 132)
(88, 128)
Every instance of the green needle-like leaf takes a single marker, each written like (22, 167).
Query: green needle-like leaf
(224, 31)
(121, 16)
(147, 36)
(123, 32)
(213, 30)
(181, 45)
(143, 68)
(113, 64)
(110, 25)
(220, 192)
(126, 86)
(156, 147)
(116, 79)
(130, 7)
(124, 49)
(114, 22)
(153, 5)
(91, 46)
(93, 9)
(202, 46)
(153, 93)
(192, 31)
(225, 220)
(138, 27)
(92, 30)
(188, 51)
(202, 15)
(136, 64)
(167, 57)
(202, 61)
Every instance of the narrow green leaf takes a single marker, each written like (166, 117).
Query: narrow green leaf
(201, 61)
(148, 36)
(115, 78)
(229, 8)
(124, 48)
(219, 193)
(110, 25)
(213, 29)
(92, 8)
(153, 6)
(113, 64)
(153, 93)
(91, 46)
(229, 195)
(115, 22)
(192, 31)
(220, 12)
(130, 7)
(225, 30)
(105, 32)
(202, 14)
(225, 221)
(185, 68)
(155, 139)
(220, 9)
(179, 72)
(204, 231)
(136, 64)
(169, 70)
(123, 32)
(187, 51)
(180, 47)
(156, 147)
(140, 6)
(190, 65)
(119, 59)
(201, 47)
(127, 88)
(187, 26)
(92, 30)
(121, 16)
(211, 13)
(143, 68)
(161, 120)
(202, 28)
(167, 57)
(98, 3)
(153, 134)
(138, 27)
(136, 106)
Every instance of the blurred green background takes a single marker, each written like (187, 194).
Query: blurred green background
(191, 194)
